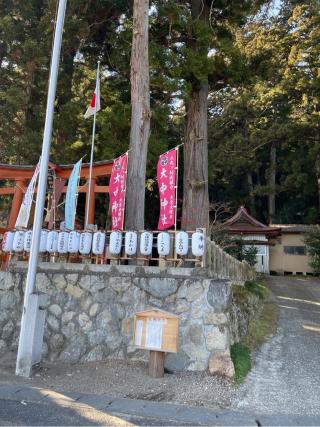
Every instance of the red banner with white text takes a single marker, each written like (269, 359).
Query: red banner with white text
(117, 191)
(166, 175)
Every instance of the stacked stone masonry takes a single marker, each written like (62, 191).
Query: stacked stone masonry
(91, 307)
(221, 265)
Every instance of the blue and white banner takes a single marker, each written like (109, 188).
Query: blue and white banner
(71, 196)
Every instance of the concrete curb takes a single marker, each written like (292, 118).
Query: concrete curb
(184, 415)
(156, 411)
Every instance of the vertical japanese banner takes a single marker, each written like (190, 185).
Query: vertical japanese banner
(166, 175)
(117, 191)
(71, 196)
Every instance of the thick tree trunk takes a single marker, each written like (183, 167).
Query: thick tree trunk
(317, 172)
(318, 186)
(140, 118)
(195, 189)
(272, 184)
(195, 211)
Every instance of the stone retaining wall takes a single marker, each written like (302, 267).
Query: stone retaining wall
(91, 307)
(244, 308)
(90, 310)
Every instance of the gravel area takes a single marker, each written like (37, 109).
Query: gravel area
(118, 378)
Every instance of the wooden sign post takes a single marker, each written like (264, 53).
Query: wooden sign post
(156, 330)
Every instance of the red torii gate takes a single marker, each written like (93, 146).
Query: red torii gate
(21, 175)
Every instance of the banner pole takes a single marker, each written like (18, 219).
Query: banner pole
(177, 176)
(54, 201)
(92, 148)
(125, 192)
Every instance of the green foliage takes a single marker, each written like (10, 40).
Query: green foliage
(241, 358)
(261, 327)
(275, 105)
(264, 91)
(239, 249)
(257, 289)
(312, 240)
(250, 255)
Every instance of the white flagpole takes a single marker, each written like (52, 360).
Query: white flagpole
(92, 146)
(27, 340)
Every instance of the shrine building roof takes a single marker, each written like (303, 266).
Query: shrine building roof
(243, 223)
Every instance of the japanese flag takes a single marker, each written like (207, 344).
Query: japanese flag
(95, 101)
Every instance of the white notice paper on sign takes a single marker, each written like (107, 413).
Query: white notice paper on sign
(138, 337)
(154, 333)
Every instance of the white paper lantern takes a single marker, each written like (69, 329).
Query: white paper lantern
(85, 243)
(130, 242)
(43, 241)
(115, 242)
(98, 243)
(146, 241)
(18, 241)
(63, 242)
(7, 242)
(27, 241)
(73, 242)
(52, 242)
(182, 243)
(197, 245)
(163, 244)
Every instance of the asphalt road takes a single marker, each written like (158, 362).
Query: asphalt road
(14, 413)
(65, 412)
(286, 375)
(29, 405)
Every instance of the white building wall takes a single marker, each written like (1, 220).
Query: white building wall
(262, 265)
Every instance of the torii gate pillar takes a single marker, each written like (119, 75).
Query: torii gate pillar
(16, 202)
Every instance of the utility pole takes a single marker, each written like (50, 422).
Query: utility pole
(33, 312)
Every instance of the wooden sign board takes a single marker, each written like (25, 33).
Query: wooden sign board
(156, 330)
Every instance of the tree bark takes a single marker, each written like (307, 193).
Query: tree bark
(272, 184)
(250, 185)
(140, 118)
(195, 211)
(317, 172)
(318, 186)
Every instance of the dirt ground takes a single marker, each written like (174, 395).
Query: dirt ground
(118, 378)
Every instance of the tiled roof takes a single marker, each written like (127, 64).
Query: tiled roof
(243, 223)
(295, 228)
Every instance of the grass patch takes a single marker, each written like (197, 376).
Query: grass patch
(261, 327)
(241, 357)
(256, 289)
(264, 325)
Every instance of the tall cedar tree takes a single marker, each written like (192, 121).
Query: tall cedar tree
(140, 117)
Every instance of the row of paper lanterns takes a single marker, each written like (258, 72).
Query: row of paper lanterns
(85, 242)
